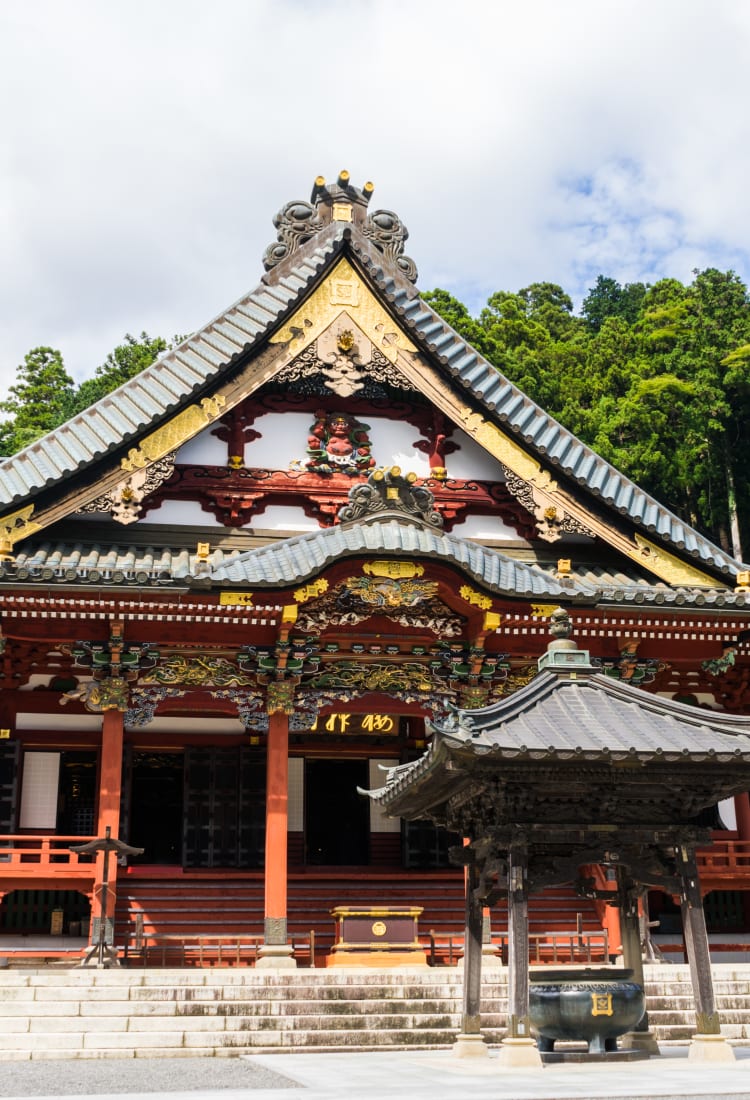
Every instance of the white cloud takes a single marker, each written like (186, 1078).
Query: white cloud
(146, 147)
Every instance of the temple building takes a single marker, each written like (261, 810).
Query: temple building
(239, 587)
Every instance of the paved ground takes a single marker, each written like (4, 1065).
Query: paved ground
(425, 1075)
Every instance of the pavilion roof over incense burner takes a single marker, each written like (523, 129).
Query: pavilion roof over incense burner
(575, 746)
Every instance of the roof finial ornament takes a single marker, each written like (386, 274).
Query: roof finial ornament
(388, 494)
(341, 201)
(563, 654)
(560, 625)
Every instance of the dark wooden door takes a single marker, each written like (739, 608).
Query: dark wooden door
(337, 819)
(9, 756)
(224, 824)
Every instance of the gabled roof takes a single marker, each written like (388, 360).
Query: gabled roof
(305, 254)
(572, 718)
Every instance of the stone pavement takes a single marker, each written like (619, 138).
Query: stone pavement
(428, 1075)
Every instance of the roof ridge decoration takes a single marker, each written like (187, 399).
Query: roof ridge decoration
(389, 494)
(298, 222)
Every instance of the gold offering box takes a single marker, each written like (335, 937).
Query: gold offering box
(377, 936)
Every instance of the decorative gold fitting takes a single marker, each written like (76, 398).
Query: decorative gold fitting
(6, 549)
(439, 473)
(368, 188)
(742, 578)
(563, 567)
(202, 551)
(342, 212)
(236, 462)
(343, 179)
(391, 492)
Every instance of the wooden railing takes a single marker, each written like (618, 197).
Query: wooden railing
(544, 947)
(725, 858)
(44, 856)
(186, 949)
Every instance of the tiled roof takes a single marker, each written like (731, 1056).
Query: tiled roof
(589, 718)
(188, 370)
(298, 559)
(173, 380)
(289, 561)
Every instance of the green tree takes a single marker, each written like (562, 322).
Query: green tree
(39, 400)
(655, 378)
(607, 299)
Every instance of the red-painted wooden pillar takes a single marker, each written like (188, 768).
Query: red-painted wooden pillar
(110, 792)
(276, 951)
(742, 813)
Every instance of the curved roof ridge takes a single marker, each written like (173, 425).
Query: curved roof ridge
(297, 558)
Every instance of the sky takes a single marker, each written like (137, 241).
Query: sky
(145, 146)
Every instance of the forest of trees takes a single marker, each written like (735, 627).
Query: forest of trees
(655, 378)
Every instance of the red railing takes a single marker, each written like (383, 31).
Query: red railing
(725, 857)
(44, 856)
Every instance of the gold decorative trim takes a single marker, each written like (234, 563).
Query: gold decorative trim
(670, 568)
(543, 610)
(393, 569)
(344, 289)
(489, 436)
(311, 590)
(470, 595)
(235, 599)
(179, 430)
(19, 525)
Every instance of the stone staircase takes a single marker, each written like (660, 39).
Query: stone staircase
(669, 1001)
(227, 1012)
(191, 1013)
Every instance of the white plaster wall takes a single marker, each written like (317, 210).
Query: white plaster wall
(178, 724)
(471, 460)
(284, 435)
(181, 513)
(484, 527)
(284, 517)
(204, 449)
(393, 445)
(41, 774)
(727, 813)
(75, 723)
(379, 823)
(283, 440)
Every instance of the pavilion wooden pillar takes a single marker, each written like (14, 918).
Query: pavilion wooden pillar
(469, 1041)
(276, 950)
(708, 1044)
(110, 794)
(641, 1037)
(518, 1049)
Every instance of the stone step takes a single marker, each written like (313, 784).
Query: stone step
(178, 1013)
